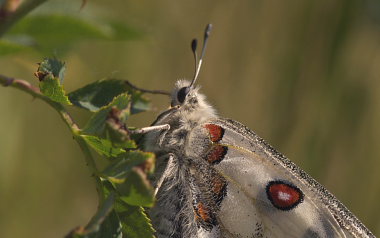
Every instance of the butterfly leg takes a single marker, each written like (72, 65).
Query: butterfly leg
(145, 130)
(167, 170)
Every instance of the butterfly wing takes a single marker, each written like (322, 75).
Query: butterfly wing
(265, 194)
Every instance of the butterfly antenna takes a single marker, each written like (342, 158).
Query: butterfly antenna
(198, 64)
(194, 44)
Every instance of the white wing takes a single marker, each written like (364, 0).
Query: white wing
(266, 194)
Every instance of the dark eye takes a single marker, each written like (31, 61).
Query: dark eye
(181, 95)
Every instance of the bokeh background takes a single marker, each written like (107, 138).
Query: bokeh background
(304, 75)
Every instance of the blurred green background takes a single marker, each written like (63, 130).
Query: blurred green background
(304, 75)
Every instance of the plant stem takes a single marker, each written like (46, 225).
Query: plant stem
(35, 92)
(24, 9)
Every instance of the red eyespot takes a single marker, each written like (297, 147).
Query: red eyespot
(216, 132)
(284, 196)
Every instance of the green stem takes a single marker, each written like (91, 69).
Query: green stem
(91, 164)
(103, 211)
(24, 9)
(35, 92)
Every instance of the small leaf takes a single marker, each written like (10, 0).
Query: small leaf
(51, 88)
(120, 168)
(102, 146)
(100, 93)
(97, 122)
(136, 190)
(129, 176)
(135, 223)
(52, 66)
(133, 219)
(119, 135)
(51, 73)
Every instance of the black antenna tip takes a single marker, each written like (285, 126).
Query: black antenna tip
(194, 44)
(208, 30)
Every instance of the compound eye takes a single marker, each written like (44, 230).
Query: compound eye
(181, 95)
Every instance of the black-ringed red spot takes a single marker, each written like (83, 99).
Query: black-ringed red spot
(216, 154)
(283, 196)
(216, 132)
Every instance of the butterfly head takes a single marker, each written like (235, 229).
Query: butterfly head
(184, 94)
(187, 98)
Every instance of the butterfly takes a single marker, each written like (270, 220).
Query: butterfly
(217, 178)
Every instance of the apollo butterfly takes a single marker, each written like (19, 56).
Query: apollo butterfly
(216, 178)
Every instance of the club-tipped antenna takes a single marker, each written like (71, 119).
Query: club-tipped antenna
(194, 44)
(198, 64)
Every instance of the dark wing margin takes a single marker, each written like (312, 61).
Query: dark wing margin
(342, 215)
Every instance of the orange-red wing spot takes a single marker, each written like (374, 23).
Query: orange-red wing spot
(216, 154)
(216, 132)
(204, 216)
(284, 196)
(203, 213)
(219, 189)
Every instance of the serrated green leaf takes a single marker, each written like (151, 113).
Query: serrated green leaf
(119, 137)
(97, 122)
(109, 228)
(129, 175)
(100, 93)
(102, 146)
(120, 168)
(136, 190)
(52, 88)
(52, 32)
(51, 66)
(50, 74)
(135, 223)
